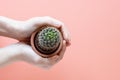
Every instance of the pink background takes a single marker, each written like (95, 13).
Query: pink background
(94, 27)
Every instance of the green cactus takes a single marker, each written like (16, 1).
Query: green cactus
(47, 40)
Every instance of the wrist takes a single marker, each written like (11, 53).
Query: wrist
(9, 27)
(10, 54)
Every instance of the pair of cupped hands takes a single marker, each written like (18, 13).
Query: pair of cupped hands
(22, 50)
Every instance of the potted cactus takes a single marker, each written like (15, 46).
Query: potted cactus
(46, 41)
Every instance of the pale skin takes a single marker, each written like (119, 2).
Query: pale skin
(22, 50)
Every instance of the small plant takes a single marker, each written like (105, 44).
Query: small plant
(47, 40)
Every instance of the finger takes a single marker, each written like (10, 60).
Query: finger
(53, 60)
(66, 35)
(38, 21)
(61, 54)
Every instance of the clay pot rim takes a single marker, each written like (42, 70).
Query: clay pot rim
(43, 55)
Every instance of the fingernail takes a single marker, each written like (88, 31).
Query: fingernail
(57, 25)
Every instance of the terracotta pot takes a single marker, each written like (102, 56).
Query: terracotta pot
(33, 37)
